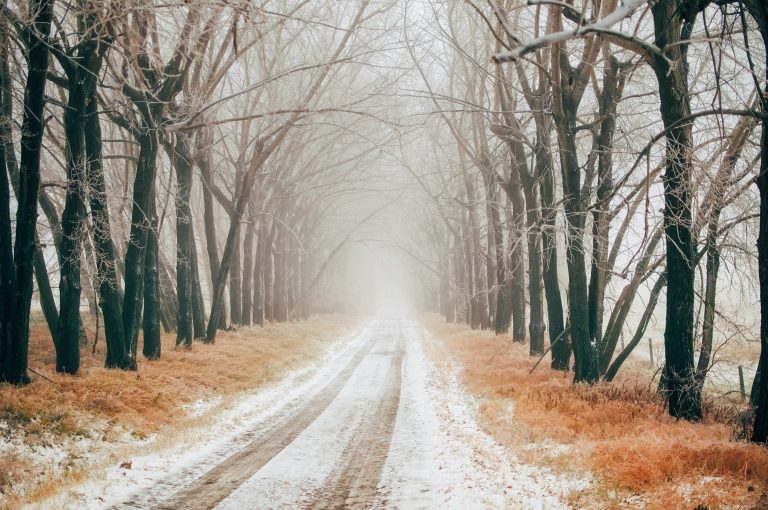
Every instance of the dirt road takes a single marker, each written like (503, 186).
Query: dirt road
(380, 428)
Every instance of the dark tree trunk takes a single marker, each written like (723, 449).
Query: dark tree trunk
(759, 11)
(184, 240)
(118, 351)
(567, 98)
(141, 223)
(151, 327)
(15, 347)
(502, 311)
(613, 87)
(561, 350)
(81, 80)
(7, 161)
(536, 324)
(683, 393)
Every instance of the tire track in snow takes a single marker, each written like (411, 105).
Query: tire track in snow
(227, 476)
(354, 484)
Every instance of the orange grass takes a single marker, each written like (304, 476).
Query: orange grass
(620, 432)
(152, 399)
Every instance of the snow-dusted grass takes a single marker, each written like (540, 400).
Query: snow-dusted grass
(57, 434)
(441, 458)
(640, 457)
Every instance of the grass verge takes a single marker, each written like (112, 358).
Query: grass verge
(49, 429)
(619, 432)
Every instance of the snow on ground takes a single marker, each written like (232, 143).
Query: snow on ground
(297, 473)
(171, 467)
(440, 458)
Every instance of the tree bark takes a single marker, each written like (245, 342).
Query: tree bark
(203, 161)
(15, 347)
(198, 303)
(258, 276)
(516, 243)
(248, 264)
(82, 78)
(151, 324)
(118, 350)
(568, 95)
(184, 240)
(141, 223)
(683, 393)
(759, 11)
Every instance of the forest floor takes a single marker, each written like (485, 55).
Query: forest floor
(62, 432)
(620, 433)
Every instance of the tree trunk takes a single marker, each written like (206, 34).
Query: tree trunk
(184, 240)
(248, 263)
(15, 346)
(7, 159)
(614, 80)
(586, 366)
(536, 325)
(209, 217)
(258, 276)
(561, 350)
(684, 396)
(47, 301)
(279, 300)
(268, 273)
(118, 350)
(81, 80)
(151, 326)
(141, 223)
(759, 11)
(516, 246)
(502, 311)
(198, 303)
(235, 289)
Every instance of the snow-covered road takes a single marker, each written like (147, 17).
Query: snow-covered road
(374, 426)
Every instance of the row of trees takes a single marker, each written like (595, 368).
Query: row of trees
(216, 131)
(582, 162)
(613, 146)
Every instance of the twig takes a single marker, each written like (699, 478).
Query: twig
(41, 375)
(560, 336)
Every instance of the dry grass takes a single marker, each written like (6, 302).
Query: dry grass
(620, 432)
(107, 404)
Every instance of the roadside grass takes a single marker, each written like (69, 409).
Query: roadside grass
(101, 408)
(620, 432)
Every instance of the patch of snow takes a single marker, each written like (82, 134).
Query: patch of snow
(293, 476)
(440, 458)
(159, 470)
